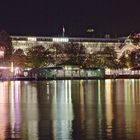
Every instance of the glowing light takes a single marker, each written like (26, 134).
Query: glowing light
(4, 67)
(108, 71)
(1, 53)
(32, 39)
(90, 30)
(60, 40)
(17, 71)
(12, 67)
(109, 107)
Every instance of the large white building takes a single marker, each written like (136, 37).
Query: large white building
(24, 42)
(91, 44)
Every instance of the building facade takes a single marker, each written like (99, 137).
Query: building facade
(91, 44)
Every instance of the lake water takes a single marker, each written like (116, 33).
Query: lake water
(70, 110)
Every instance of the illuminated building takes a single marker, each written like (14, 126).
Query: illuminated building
(91, 44)
(120, 45)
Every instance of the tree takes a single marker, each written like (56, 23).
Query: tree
(123, 62)
(19, 58)
(68, 53)
(6, 43)
(38, 56)
(58, 53)
(75, 53)
(131, 59)
(90, 61)
(106, 58)
(126, 61)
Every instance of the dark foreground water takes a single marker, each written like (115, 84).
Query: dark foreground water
(70, 110)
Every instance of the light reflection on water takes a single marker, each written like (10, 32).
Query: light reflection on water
(70, 110)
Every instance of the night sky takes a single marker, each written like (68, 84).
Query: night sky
(47, 17)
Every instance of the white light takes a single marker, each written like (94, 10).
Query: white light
(17, 71)
(12, 67)
(60, 40)
(107, 71)
(1, 54)
(31, 38)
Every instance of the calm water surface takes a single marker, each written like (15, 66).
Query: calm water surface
(70, 110)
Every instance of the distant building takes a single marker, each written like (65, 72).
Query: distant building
(92, 44)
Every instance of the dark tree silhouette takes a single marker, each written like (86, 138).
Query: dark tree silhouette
(19, 58)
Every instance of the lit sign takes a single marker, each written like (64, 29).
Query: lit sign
(60, 40)
(31, 38)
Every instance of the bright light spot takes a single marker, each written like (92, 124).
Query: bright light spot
(17, 71)
(60, 40)
(90, 30)
(25, 73)
(12, 67)
(1, 54)
(32, 39)
(68, 68)
(107, 71)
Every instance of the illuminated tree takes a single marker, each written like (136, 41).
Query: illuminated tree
(109, 58)
(131, 59)
(76, 53)
(106, 58)
(90, 61)
(58, 53)
(123, 62)
(68, 53)
(38, 56)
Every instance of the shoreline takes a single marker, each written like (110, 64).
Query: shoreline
(71, 78)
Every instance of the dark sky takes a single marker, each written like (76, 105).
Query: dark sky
(47, 17)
